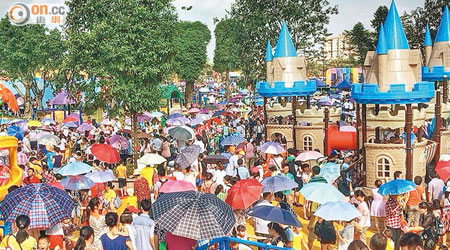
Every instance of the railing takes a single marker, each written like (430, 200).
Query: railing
(224, 244)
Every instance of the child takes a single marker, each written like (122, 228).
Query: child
(346, 235)
(44, 243)
(4, 173)
(300, 239)
(390, 245)
(364, 220)
(127, 230)
(325, 232)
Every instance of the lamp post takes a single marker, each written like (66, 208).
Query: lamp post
(186, 9)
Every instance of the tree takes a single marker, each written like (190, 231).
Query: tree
(190, 43)
(261, 20)
(361, 40)
(125, 48)
(226, 53)
(378, 17)
(27, 51)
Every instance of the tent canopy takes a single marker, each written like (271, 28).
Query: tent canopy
(170, 91)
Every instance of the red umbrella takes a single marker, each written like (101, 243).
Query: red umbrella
(70, 119)
(443, 170)
(105, 153)
(244, 193)
(442, 164)
(56, 185)
(173, 186)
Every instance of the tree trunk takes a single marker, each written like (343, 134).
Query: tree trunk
(135, 139)
(188, 93)
(227, 85)
(28, 104)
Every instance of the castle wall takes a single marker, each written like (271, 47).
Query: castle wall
(440, 55)
(288, 70)
(304, 133)
(285, 130)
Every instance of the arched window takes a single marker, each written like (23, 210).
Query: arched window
(307, 143)
(384, 167)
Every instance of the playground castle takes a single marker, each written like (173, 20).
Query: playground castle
(401, 94)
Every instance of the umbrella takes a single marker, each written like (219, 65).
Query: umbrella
(187, 156)
(48, 121)
(36, 136)
(70, 124)
(175, 115)
(275, 214)
(330, 171)
(214, 159)
(34, 123)
(85, 127)
(45, 205)
(204, 90)
(173, 186)
(196, 121)
(211, 106)
(152, 159)
(105, 153)
(321, 193)
(15, 131)
(70, 119)
(244, 193)
(9, 98)
(337, 211)
(277, 183)
(204, 117)
(77, 182)
(62, 98)
(193, 110)
(156, 114)
(106, 122)
(175, 122)
(308, 155)
(396, 187)
(143, 117)
(56, 184)
(49, 140)
(232, 140)
(101, 176)
(443, 173)
(182, 133)
(442, 164)
(75, 168)
(325, 101)
(218, 113)
(118, 141)
(272, 148)
(4, 121)
(193, 215)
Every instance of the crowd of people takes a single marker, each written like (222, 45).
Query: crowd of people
(118, 214)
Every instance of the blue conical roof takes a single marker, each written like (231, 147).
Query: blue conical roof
(443, 34)
(269, 56)
(428, 41)
(381, 45)
(393, 30)
(285, 46)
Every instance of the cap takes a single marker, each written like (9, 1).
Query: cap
(242, 152)
(348, 155)
(333, 153)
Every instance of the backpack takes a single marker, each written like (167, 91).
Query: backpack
(430, 235)
(8, 247)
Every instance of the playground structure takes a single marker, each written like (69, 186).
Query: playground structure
(10, 143)
(397, 97)
(337, 75)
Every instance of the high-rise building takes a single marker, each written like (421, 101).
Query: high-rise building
(337, 47)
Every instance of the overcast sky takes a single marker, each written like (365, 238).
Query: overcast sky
(350, 12)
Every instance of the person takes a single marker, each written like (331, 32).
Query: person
(21, 239)
(260, 225)
(378, 242)
(144, 227)
(96, 220)
(282, 202)
(445, 204)
(249, 152)
(412, 205)
(277, 235)
(112, 240)
(397, 175)
(325, 232)
(394, 211)
(219, 192)
(241, 172)
(358, 245)
(109, 195)
(179, 176)
(44, 243)
(141, 190)
(288, 193)
(121, 171)
(86, 239)
(31, 177)
(377, 208)
(364, 220)
(411, 241)
(208, 186)
(346, 235)
(426, 226)
(344, 185)
(435, 188)
(127, 229)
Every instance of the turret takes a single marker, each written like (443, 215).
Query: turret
(428, 44)
(382, 60)
(269, 63)
(440, 55)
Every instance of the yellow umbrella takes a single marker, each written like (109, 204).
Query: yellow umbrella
(34, 123)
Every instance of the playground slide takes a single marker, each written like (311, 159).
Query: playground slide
(340, 140)
(10, 143)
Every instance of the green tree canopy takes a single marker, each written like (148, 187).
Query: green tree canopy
(361, 40)
(261, 20)
(378, 17)
(190, 43)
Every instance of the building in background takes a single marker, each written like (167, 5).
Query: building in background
(337, 47)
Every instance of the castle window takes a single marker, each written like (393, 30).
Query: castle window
(307, 143)
(383, 167)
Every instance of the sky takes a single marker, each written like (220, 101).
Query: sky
(350, 12)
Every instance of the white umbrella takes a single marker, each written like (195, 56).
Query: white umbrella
(272, 148)
(49, 140)
(152, 159)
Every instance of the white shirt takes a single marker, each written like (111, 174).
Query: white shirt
(218, 177)
(364, 220)
(241, 130)
(178, 175)
(62, 146)
(200, 144)
(232, 164)
(144, 231)
(260, 224)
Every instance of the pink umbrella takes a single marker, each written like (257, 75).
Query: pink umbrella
(347, 129)
(144, 117)
(118, 141)
(39, 135)
(85, 127)
(173, 186)
(308, 155)
(62, 98)
(193, 110)
(174, 122)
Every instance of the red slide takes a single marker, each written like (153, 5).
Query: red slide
(340, 140)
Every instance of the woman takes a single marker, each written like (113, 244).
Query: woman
(165, 148)
(426, 221)
(208, 186)
(112, 240)
(21, 239)
(445, 204)
(97, 220)
(377, 209)
(325, 232)
(189, 175)
(278, 236)
(86, 239)
(281, 199)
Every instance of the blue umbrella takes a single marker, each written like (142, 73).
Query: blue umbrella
(396, 187)
(77, 182)
(277, 183)
(218, 113)
(344, 85)
(330, 171)
(337, 210)
(75, 168)
(321, 193)
(4, 121)
(175, 115)
(48, 121)
(325, 101)
(15, 131)
(101, 176)
(275, 214)
(232, 140)
(70, 125)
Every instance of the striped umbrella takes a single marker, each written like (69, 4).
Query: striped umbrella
(187, 156)
(232, 140)
(193, 215)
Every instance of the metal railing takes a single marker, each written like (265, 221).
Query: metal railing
(224, 244)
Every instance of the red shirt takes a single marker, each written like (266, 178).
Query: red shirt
(393, 213)
(32, 179)
(141, 189)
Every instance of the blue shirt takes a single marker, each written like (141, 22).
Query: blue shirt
(118, 243)
(243, 172)
(49, 156)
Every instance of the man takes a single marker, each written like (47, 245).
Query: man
(144, 226)
(411, 241)
(412, 205)
(398, 175)
(260, 225)
(313, 205)
(31, 178)
(394, 211)
(22, 158)
(249, 153)
(198, 141)
(241, 171)
(435, 188)
(288, 193)
(233, 163)
(316, 177)
(378, 242)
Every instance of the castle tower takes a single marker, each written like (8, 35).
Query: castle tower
(269, 61)
(440, 55)
(398, 63)
(428, 45)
